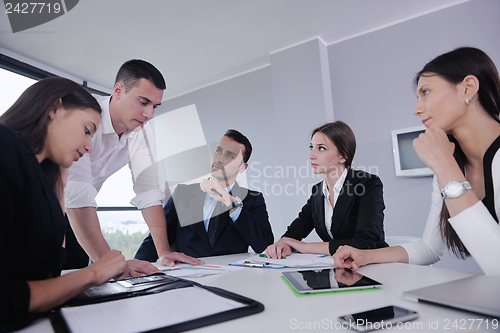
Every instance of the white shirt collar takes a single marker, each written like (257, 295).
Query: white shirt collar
(338, 184)
(106, 123)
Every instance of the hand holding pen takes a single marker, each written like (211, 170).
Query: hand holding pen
(217, 193)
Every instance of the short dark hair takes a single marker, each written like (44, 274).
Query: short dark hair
(342, 137)
(240, 138)
(134, 70)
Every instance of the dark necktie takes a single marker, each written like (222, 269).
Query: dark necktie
(214, 220)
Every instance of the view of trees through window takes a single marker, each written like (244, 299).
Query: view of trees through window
(127, 243)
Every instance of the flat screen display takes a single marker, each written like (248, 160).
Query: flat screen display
(406, 161)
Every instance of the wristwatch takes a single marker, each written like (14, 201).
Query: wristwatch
(455, 189)
(236, 203)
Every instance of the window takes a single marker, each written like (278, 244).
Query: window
(12, 86)
(122, 224)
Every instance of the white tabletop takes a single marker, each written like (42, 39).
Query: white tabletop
(286, 312)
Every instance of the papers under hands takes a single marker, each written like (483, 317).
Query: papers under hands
(294, 260)
(186, 270)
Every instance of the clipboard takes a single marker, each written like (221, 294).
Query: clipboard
(61, 321)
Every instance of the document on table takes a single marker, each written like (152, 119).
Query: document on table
(186, 270)
(144, 313)
(294, 260)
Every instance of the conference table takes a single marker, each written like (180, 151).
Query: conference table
(286, 312)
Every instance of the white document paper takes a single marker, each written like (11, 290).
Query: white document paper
(186, 270)
(144, 313)
(295, 260)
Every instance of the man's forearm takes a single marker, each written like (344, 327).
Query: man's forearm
(155, 219)
(87, 229)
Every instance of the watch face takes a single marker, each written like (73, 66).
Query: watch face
(455, 189)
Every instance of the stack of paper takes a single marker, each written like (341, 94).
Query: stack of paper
(295, 260)
(186, 270)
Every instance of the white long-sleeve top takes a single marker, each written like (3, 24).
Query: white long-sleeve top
(476, 227)
(109, 154)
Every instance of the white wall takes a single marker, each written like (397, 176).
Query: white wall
(372, 91)
(371, 88)
(276, 107)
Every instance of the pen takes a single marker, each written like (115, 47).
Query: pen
(255, 264)
(220, 195)
(163, 269)
(264, 256)
(214, 190)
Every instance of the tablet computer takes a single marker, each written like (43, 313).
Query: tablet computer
(329, 279)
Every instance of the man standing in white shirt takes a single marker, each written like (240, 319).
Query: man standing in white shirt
(124, 137)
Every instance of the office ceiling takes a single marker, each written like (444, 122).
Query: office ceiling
(196, 42)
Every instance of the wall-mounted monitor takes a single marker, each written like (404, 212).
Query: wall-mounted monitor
(406, 160)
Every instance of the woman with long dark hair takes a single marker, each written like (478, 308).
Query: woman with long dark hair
(459, 96)
(43, 132)
(346, 208)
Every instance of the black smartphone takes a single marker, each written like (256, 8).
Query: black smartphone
(386, 317)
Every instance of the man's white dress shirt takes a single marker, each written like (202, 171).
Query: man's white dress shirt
(109, 154)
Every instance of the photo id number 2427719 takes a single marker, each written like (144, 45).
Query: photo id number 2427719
(32, 8)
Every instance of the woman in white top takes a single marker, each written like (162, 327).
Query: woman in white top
(346, 208)
(459, 95)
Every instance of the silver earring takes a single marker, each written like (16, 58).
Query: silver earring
(51, 117)
(467, 101)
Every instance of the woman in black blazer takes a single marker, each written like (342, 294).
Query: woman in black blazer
(41, 134)
(346, 208)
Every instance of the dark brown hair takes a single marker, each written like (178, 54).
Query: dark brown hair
(342, 137)
(29, 118)
(240, 138)
(133, 70)
(454, 66)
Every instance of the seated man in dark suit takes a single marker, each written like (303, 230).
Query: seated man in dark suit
(218, 216)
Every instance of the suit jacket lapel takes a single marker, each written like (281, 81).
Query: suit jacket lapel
(319, 212)
(187, 205)
(239, 192)
(344, 201)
